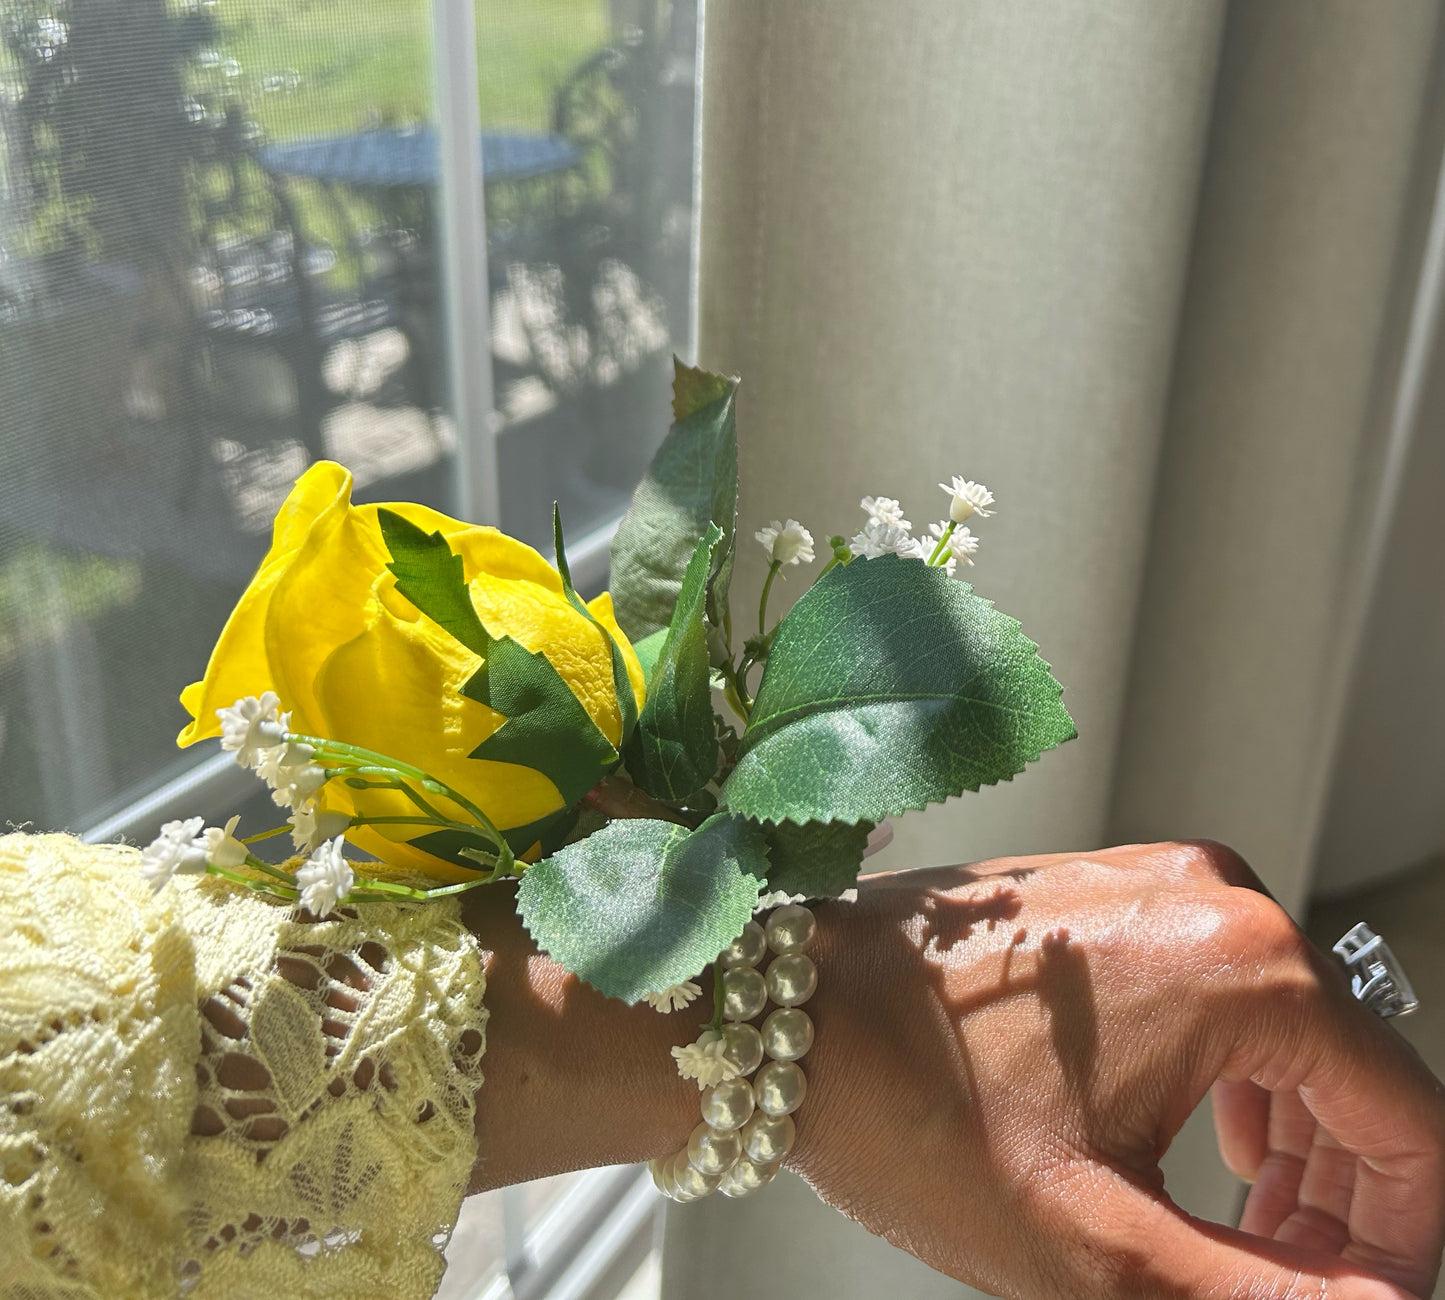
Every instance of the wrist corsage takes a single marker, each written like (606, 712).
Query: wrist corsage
(649, 766)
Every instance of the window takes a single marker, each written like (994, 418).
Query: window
(450, 248)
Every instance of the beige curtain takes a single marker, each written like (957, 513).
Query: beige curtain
(1150, 271)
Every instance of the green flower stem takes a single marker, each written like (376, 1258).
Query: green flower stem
(942, 545)
(266, 835)
(246, 882)
(842, 553)
(773, 568)
(369, 762)
(355, 755)
(428, 820)
(717, 995)
(430, 816)
(266, 869)
(389, 889)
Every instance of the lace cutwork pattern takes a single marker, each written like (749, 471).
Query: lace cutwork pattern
(202, 1095)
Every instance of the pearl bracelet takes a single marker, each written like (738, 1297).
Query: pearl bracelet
(747, 1125)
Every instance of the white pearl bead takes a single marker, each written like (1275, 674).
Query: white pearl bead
(745, 1177)
(744, 1047)
(713, 1151)
(691, 1184)
(744, 992)
(791, 929)
(661, 1171)
(748, 949)
(787, 1034)
(729, 1105)
(779, 1088)
(792, 979)
(768, 1138)
(729, 1186)
(665, 1179)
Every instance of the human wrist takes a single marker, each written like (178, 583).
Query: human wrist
(848, 1070)
(573, 1079)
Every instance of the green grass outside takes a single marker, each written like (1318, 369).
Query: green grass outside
(362, 61)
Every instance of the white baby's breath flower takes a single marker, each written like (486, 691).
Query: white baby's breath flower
(962, 545)
(223, 849)
(251, 725)
(271, 763)
(325, 878)
(885, 510)
(886, 539)
(674, 997)
(297, 785)
(778, 898)
(704, 1060)
(309, 827)
(177, 848)
(969, 498)
(786, 543)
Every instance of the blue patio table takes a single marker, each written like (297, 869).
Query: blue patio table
(412, 156)
(397, 159)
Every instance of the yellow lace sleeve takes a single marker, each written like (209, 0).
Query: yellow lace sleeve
(201, 1095)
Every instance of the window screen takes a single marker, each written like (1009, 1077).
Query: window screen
(222, 258)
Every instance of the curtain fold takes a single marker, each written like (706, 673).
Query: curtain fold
(1264, 483)
(946, 238)
(1137, 267)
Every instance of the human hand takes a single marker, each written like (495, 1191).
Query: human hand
(1004, 1051)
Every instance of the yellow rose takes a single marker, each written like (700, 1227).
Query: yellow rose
(323, 625)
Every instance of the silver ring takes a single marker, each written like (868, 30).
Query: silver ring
(1376, 977)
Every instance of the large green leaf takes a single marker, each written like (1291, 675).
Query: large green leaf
(621, 682)
(546, 727)
(817, 859)
(673, 752)
(891, 686)
(692, 482)
(643, 904)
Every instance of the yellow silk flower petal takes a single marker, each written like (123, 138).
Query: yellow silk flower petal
(239, 665)
(396, 689)
(323, 625)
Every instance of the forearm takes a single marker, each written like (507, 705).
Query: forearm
(574, 1080)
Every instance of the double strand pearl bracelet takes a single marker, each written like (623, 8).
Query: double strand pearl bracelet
(747, 1124)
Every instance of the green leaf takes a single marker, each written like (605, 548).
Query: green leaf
(621, 681)
(546, 728)
(692, 482)
(430, 575)
(673, 752)
(817, 859)
(644, 904)
(647, 651)
(891, 686)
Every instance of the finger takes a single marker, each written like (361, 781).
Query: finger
(1275, 1195)
(1325, 1196)
(1356, 1079)
(1152, 1247)
(1241, 1125)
